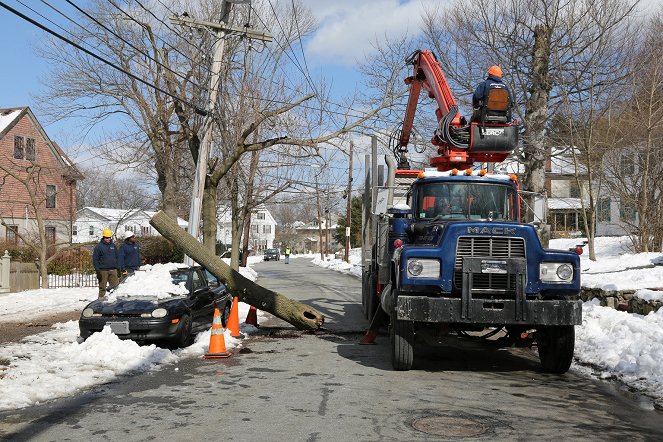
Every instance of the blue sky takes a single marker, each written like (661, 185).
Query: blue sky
(346, 28)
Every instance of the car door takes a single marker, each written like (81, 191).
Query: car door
(203, 310)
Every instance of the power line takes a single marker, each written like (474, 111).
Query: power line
(103, 60)
(145, 54)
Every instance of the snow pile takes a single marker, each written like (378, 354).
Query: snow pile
(351, 268)
(151, 281)
(54, 364)
(623, 345)
(34, 303)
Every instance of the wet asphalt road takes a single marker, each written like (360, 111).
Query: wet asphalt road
(293, 386)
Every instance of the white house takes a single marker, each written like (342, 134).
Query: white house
(90, 221)
(263, 228)
(564, 203)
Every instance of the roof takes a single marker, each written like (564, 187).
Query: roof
(564, 203)
(8, 119)
(119, 215)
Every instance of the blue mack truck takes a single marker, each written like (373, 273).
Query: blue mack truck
(448, 254)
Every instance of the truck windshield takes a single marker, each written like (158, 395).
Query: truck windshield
(452, 201)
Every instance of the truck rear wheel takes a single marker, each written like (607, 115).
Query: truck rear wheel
(556, 345)
(402, 343)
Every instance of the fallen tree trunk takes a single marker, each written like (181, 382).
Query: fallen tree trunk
(300, 315)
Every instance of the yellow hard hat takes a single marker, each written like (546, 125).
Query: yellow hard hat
(107, 233)
(496, 71)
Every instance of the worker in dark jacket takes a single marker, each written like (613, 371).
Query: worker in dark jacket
(129, 254)
(104, 259)
(492, 81)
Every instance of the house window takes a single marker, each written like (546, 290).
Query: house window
(627, 211)
(267, 228)
(627, 164)
(261, 215)
(254, 228)
(30, 149)
(145, 230)
(50, 196)
(91, 231)
(50, 234)
(603, 210)
(74, 230)
(574, 189)
(565, 221)
(11, 234)
(19, 147)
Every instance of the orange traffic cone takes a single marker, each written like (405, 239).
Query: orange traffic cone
(217, 343)
(233, 319)
(252, 317)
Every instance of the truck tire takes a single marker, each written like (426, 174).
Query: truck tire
(402, 343)
(556, 345)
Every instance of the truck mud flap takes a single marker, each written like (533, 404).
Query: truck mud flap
(493, 311)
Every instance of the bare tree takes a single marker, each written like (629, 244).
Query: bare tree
(33, 179)
(106, 189)
(593, 80)
(635, 160)
(152, 101)
(534, 42)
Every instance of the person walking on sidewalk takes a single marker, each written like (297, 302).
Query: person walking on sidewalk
(128, 256)
(104, 259)
(287, 255)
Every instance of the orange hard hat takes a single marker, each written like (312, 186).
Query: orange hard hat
(496, 71)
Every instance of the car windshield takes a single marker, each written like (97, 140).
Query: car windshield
(448, 201)
(271, 251)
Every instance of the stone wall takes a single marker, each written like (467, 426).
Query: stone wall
(621, 300)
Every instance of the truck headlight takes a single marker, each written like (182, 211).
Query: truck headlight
(556, 272)
(423, 268)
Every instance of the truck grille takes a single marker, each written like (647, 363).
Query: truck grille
(491, 248)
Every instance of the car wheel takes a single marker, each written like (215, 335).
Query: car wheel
(556, 345)
(225, 315)
(184, 336)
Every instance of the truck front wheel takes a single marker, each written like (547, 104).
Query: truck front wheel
(402, 343)
(556, 345)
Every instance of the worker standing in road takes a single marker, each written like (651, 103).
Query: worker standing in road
(129, 254)
(287, 255)
(104, 259)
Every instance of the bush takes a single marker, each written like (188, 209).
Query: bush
(157, 249)
(18, 252)
(71, 261)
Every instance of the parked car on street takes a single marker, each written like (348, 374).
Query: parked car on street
(142, 310)
(272, 254)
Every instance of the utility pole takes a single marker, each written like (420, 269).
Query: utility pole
(317, 198)
(349, 209)
(221, 29)
(327, 229)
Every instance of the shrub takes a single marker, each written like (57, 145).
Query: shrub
(157, 249)
(18, 252)
(70, 261)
